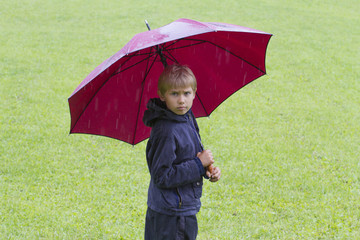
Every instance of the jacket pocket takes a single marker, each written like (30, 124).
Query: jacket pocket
(197, 187)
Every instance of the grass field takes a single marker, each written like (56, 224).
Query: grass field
(288, 144)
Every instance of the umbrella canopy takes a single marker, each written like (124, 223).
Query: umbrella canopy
(112, 99)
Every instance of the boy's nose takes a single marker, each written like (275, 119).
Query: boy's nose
(181, 98)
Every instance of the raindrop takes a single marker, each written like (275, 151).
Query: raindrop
(137, 97)
(116, 103)
(219, 56)
(109, 106)
(117, 124)
(149, 84)
(244, 80)
(89, 124)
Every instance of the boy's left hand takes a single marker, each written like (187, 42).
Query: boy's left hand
(214, 175)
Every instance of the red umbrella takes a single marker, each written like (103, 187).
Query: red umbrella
(111, 100)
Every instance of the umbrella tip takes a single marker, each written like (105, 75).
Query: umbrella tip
(147, 24)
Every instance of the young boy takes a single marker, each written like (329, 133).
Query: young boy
(176, 159)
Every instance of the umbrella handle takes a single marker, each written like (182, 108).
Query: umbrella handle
(210, 168)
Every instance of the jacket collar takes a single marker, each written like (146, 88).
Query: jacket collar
(156, 110)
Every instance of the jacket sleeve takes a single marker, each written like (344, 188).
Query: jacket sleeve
(164, 172)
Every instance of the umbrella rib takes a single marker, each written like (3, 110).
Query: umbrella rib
(171, 57)
(139, 54)
(202, 104)
(142, 91)
(185, 46)
(144, 59)
(117, 70)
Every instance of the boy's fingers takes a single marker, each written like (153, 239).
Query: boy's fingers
(217, 172)
(216, 175)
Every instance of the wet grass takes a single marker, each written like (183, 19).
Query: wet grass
(288, 143)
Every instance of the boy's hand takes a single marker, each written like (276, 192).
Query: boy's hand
(206, 157)
(214, 175)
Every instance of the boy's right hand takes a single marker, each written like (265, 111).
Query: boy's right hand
(206, 157)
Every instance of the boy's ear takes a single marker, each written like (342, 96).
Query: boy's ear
(162, 98)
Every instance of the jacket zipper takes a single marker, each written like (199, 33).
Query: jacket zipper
(180, 200)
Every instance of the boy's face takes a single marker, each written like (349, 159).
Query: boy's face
(178, 100)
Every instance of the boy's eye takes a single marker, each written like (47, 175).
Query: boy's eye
(174, 93)
(187, 93)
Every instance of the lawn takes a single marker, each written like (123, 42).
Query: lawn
(288, 144)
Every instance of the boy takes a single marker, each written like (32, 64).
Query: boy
(176, 159)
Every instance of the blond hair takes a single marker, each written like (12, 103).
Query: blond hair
(176, 76)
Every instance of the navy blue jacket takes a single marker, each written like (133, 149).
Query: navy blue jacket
(176, 172)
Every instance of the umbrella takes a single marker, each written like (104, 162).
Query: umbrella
(112, 99)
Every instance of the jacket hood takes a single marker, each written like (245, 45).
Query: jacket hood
(156, 110)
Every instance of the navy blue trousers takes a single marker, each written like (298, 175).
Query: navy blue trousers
(159, 226)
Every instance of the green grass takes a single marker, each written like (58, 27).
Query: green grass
(287, 144)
